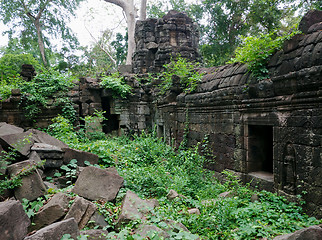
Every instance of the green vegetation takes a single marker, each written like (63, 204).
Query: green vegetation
(37, 93)
(256, 50)
(151, 168)
(180, 67)
(116, 83)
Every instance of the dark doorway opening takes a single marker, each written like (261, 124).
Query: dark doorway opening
(112, 120)
(260, 148)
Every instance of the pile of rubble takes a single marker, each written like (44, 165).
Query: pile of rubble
(62, 214)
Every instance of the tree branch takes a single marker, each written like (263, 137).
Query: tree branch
(32, 17)
(43, 9)
(101, 46)
(119, 3)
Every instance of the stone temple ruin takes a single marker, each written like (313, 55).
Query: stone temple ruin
(268, 131)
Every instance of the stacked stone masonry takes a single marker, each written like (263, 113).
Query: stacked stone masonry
(157, 40)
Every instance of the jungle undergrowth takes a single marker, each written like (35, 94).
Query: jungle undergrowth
(151, 168)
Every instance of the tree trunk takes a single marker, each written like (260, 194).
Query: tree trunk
(143, 10)
(41, 42)
(130, 13)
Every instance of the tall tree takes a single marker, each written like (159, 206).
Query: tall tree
(227, 20)
(37, 20)
(130, 12)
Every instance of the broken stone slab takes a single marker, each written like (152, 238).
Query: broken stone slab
(7, 129)
(21, 142)
(134, 208)
(80, 156)
(52, 155)
(56, 231)
(42, 137)
(54, 210)
(95, 234)
(97, 220)
(174, 226)
(34, 157)
(32, 185)
(14, 221)
(81, 210)
(98, 184)
(145, 231)
(309, 233)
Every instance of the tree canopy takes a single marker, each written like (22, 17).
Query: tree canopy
(35, 22)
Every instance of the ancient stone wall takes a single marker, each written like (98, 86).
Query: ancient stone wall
(268, 131)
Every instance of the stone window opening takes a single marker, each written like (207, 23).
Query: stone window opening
(111, 122)
(260, 151)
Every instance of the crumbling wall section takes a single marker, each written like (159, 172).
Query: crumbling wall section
(157, 40)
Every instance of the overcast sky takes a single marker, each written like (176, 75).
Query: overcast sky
(95, 15)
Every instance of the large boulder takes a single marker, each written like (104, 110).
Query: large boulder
(14, 221)
(51, 212)
(310, 18)
(7, 129)
(42, 137)
(134, 208)
(80, 156)
(56, 231)
(32, 185)
(81, 210)
(309, 233)
(98, 184)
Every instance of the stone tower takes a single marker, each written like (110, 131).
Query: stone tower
(157, 40)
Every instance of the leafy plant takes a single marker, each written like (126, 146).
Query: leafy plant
(255, 51)
(70, 171)
(189, 77)
(38, 92)
(116, 83)
(32, 207)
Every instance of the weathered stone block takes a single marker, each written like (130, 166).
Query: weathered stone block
(310, 18)
(42, 137)
(80, 156)
(81, 210)
(32, 185)
(14, 221)
(134, 208)
(21, 142)
(95, 183)
(51, 212)
(7, 129)
(56, 231)
(309, 233)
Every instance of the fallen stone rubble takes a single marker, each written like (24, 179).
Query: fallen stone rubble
(65, 213)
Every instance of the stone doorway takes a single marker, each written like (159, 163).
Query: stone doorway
(260, 149)
(111, 124)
